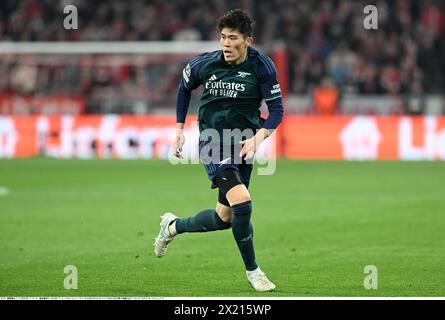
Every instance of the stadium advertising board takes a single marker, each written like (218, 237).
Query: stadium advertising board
(147, 137)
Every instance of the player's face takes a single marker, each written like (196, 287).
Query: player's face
(234, 45)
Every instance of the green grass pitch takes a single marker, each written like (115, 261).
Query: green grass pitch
(317, 225)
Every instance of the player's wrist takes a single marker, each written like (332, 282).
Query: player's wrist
(262, 134)
(179, 128)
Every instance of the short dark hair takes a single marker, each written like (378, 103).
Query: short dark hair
(237, 20)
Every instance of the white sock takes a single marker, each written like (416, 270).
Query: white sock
(257, 270)
(172, 228)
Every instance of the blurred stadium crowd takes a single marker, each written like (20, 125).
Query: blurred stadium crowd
(325, 41)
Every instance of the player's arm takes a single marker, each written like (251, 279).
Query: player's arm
(276, 111)
(183, 97)
(187, 84)
(250, 146)
(271, 93)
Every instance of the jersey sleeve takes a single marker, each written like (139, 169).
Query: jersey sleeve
(267, 74)
(182, 102)
(190, 74)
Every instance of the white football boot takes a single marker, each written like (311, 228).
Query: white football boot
(164, 237)
(259, 281)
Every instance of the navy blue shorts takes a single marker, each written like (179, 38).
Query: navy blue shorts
(228, 158)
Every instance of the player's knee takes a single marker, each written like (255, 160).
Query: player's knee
(232, 190)
(238, 194)
(242, 209)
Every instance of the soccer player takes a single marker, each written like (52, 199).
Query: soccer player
(235, 81)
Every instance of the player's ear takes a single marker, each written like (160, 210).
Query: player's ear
(249, 41)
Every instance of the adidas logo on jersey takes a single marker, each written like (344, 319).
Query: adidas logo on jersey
(243, 74)
(212, 78)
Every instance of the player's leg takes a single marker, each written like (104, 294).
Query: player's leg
(203, 221)
(207, 220)
(238, 196)
(223, 208)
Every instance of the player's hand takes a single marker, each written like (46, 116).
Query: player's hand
(249, 148)
(177, 144)
(251, 145)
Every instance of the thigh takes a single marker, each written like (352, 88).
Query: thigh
(210, 161)
(230, 185)
(222, 198)
(245, 171)
(216, 163)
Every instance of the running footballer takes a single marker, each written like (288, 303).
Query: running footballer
(235, 80)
